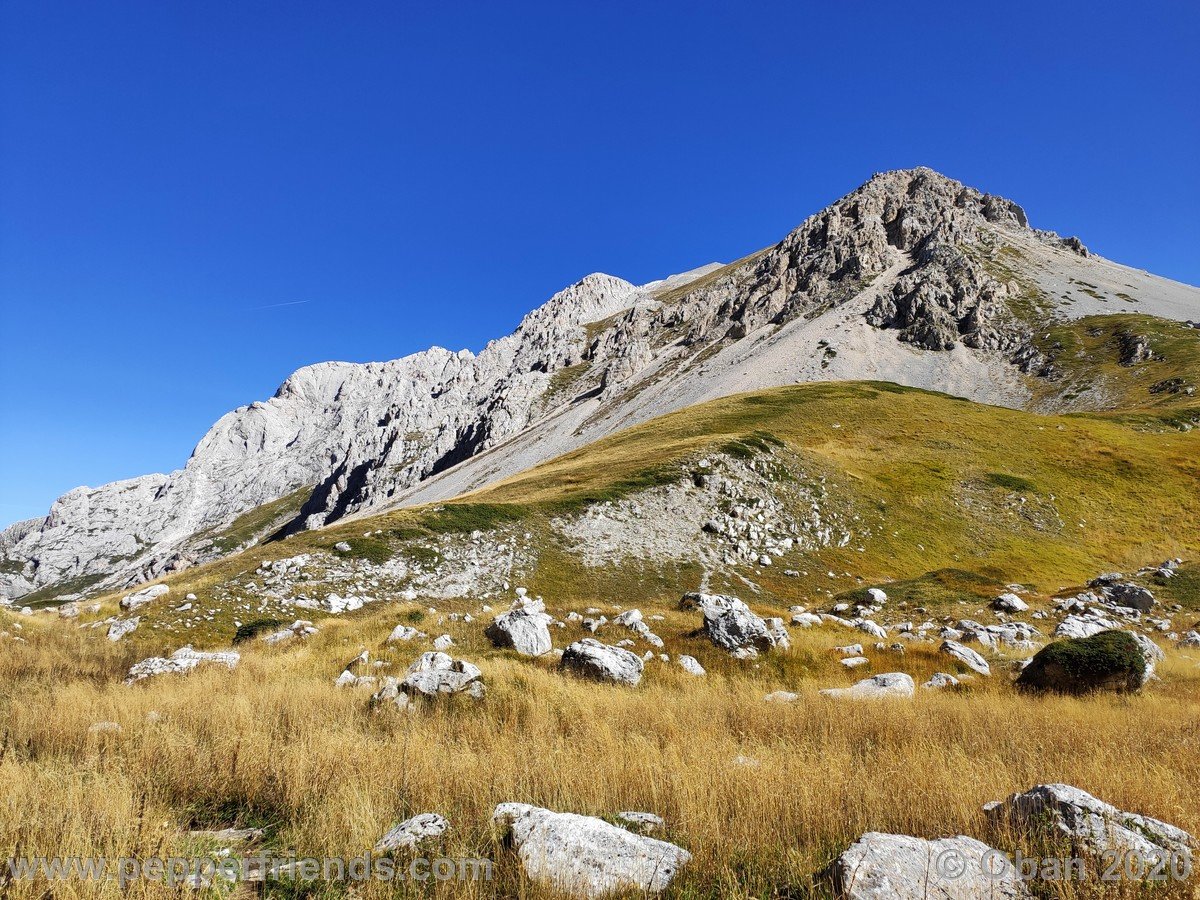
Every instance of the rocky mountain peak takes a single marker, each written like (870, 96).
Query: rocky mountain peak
(909, 256)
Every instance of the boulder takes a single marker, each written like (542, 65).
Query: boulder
(412, 833)
(1091, 825)
(121, 627)
(876, 596)
(1124, 593)
(1076, 626)
(898, 867)
(601, 662)
(587, 857)
(1152, 654)
(524, 628)
(183, 660)
(731, 625)
(690, 665)
(437, 673)
(1009, 603)
(1109, 660)
(966, 656)
(877, 687)
(144, 596)
(941, 680)
(805, 620)
(404, 633)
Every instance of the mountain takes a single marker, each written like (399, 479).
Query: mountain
(913, 279)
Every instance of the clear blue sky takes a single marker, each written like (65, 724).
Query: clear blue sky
(172, 174)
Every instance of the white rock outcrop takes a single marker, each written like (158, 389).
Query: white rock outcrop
(598, 661)
(898, 867)
(183, 660)
(877, 687)
(1093, 826)
(587, 857)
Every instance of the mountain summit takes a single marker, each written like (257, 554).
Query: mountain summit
(912, 278)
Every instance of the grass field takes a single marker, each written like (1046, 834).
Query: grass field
(275, 745)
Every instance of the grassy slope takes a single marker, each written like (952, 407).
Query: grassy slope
(985, 496)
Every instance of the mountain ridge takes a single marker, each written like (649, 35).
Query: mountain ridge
(913, 277)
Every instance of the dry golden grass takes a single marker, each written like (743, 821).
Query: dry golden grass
(275, 744)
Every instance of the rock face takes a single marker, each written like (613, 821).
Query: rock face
(340, 438)
(525, 628)
(592, 659)
(898, 867)
(1091, 825)
(586, 857)
(1109, 661)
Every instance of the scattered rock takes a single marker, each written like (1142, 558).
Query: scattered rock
(144, 596)
(966, 656)
(890, 684)
(731, 625)
(437, 673)
(412, 833)
(404, 633)
(690, 665)
(1010, 603)
(121, 627)
(587, 857)
(941, 680)
(524, 628)
(1092, 825)
(181, 661)
(601, 662)
(898, 867)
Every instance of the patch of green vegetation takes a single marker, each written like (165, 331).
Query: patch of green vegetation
(1011, 482)
(259, 522)
(933, 589)
(1182, 588)
(252, 629)
(370, 549)
(460, 518)
(1085, 356)
(1029, 304)
(562, 384)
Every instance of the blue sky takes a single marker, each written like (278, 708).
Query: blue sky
(196, 199)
